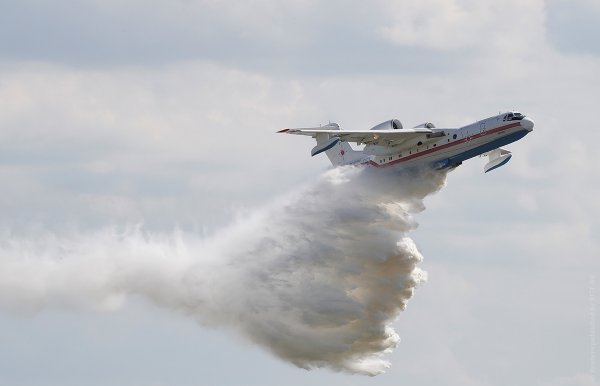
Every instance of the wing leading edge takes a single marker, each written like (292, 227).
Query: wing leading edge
(389, 137)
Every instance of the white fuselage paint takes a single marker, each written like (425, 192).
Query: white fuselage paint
(456, 143)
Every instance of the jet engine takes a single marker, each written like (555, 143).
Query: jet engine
(427, 125)
(392, 124)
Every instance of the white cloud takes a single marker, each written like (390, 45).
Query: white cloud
(91, 136)
(445, 25)
(465, 24)
(192, 141)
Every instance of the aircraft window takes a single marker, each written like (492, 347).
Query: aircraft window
(514, 116)
(454, 136)
(419, 143)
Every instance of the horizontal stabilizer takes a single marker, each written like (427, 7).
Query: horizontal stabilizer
(324, 146)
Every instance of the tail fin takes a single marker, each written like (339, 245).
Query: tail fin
(338, 152)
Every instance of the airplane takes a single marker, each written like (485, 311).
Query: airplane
(390, 144)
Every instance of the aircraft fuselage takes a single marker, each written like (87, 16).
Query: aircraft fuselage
(389, 144)
(455, 145)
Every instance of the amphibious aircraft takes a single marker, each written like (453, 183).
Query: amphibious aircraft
(389, 143)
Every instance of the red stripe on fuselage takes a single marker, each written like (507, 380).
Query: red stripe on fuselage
(445, 146)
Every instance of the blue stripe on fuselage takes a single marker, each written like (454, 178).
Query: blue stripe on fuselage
(457, 159)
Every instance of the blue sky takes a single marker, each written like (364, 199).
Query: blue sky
(163, 113)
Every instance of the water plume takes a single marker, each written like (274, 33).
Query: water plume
(317, 277)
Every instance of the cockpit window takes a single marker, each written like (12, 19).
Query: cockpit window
(513, 116)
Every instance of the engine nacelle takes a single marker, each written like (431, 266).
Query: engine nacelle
(427, 125)
(392, 124)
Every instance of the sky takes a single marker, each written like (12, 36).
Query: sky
(163, 115)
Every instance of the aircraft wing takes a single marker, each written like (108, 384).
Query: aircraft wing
(382, 137)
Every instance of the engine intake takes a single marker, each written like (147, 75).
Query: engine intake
(392, 124)
(427, 125)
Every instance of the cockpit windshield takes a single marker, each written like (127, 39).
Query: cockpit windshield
(513, 116)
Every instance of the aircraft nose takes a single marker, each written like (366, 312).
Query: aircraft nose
(527, 123)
